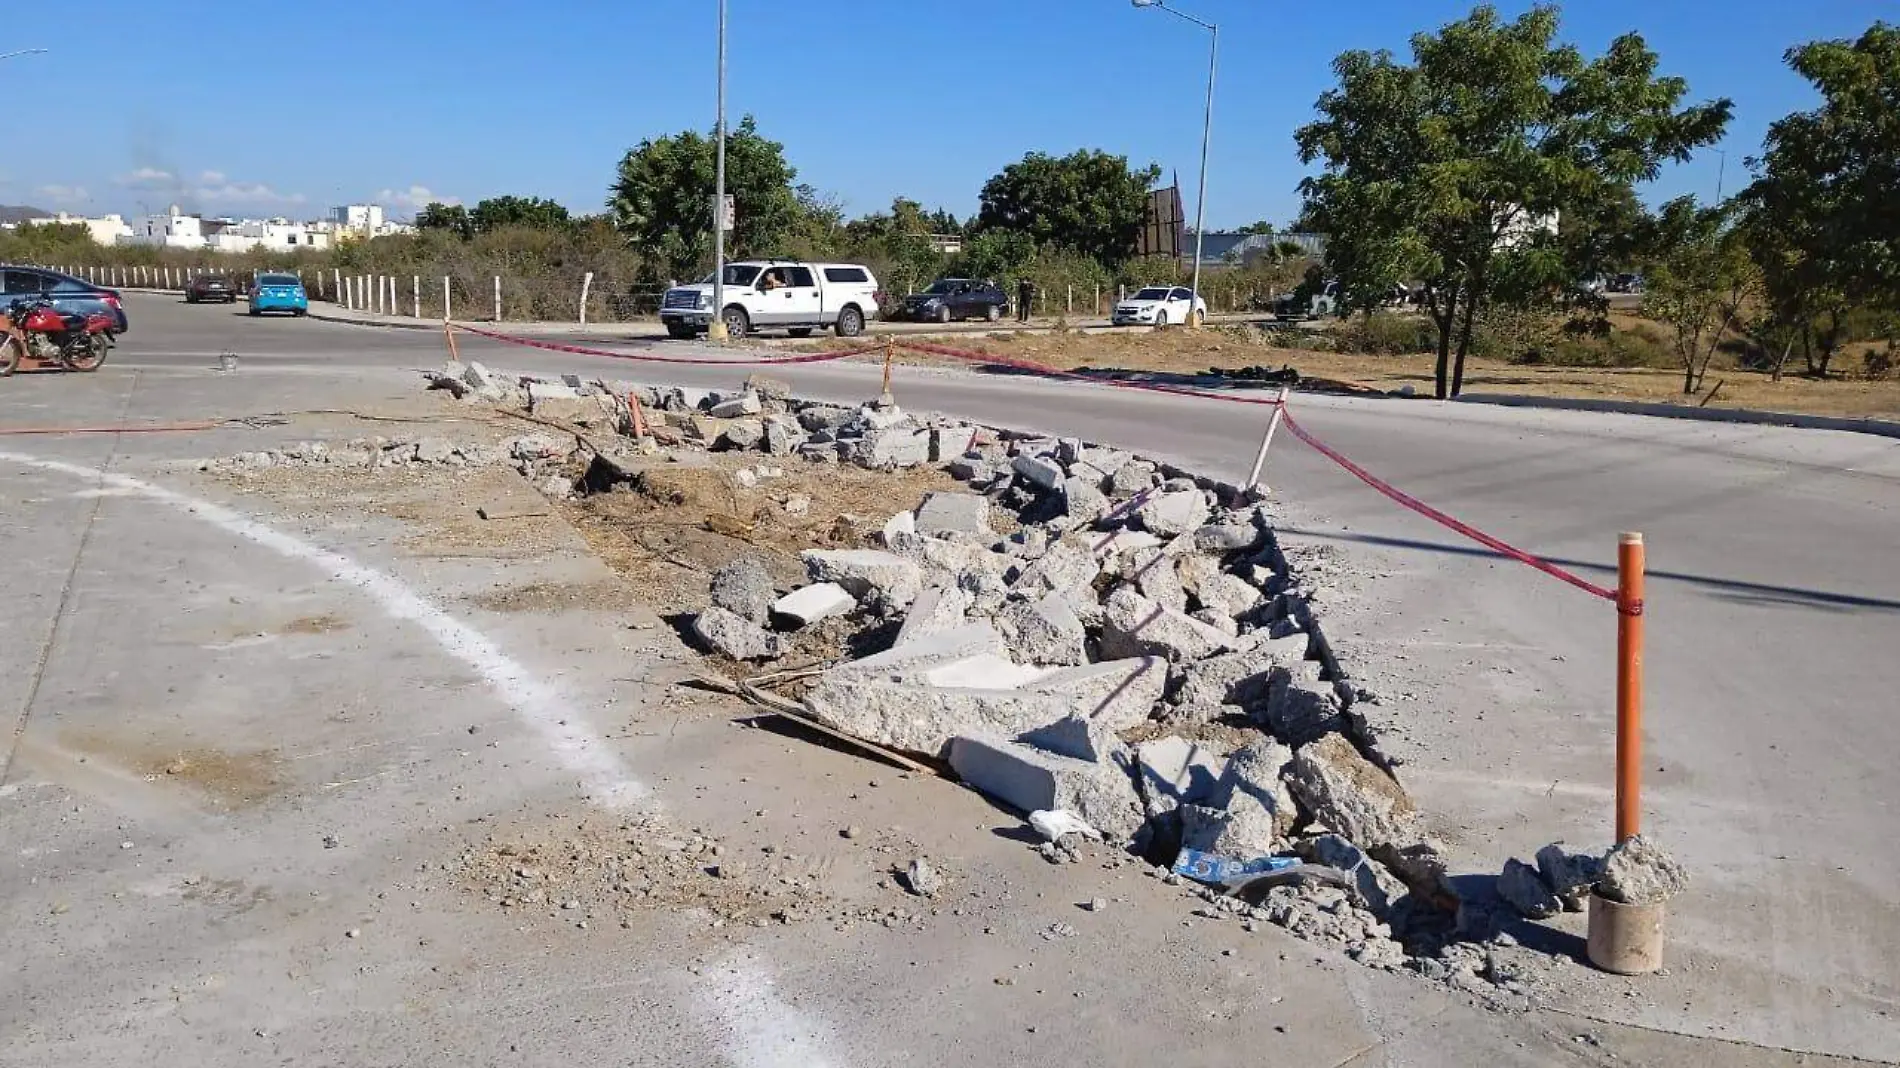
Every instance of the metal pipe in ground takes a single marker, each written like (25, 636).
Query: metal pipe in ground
(1623, 938)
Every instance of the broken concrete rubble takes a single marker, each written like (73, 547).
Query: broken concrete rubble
(734, 635)
(1043, 473)
(744, 587)
(1175, 772)
(881, 578)
(1636, 871)
(1031, 780)
(1170, 514)
(744, 404)
(809, 604)
(935, 611)
(1569, 875)
(1133, 625)
(954, 513)
(1521, 886)
(1349, 794)
(1045, 631)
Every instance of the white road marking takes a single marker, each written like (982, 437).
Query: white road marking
(537, 705)
(767, 1032)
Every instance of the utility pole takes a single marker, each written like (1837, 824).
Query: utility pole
(716, 330)
(1207, 132)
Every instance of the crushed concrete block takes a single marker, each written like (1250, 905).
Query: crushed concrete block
(551, 400)
(1423, 867)
(734, 635)
(892, 447)
(433, 451)
(1254, 786)
(1194, 569)
(950, 442)
(486, 384)
(909, 661)
(1377, 889)
(1169, 514)
(809, 604)
(747, 403)
(1107, 461)
(783, 435)
(1228, 679)
(1105, 700)
(1045, 631)
(1227, 537)
(984, 671)
(1521, 886)
(1046, 474)
(1637, 871)
(1569, 875)
(1240, 834)
(973, 469)
(922, 718)
(1229, 596)
(937, 610)
(877, 417)
(1133, 477)
(742, 435)
(1154, 573)
(900, 532)
(1349, 794)
(824, 417)
(1173, 772)
(954, 513)
(1083, 498)
(1069, 564)
(871, 575)
(1133, 625)
(1030, 780)
(1114, 543)
(1220, 621)
(1299, 707)
(744, 587)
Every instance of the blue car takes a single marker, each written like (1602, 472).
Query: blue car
(279, 293)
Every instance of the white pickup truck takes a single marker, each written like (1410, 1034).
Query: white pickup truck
(777, 295)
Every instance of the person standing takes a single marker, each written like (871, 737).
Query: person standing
(1025, 296)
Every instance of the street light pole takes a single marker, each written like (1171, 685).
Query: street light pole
(716, 330)
(22, 52)
(1207, 134)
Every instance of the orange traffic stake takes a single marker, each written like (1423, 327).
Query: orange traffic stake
(1629, 686)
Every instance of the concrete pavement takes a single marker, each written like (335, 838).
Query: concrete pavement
(1770, 611)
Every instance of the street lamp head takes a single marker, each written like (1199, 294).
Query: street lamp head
(1146, 3)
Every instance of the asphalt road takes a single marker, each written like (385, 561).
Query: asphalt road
(1773, 614)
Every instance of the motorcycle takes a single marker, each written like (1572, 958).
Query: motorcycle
(39, 329)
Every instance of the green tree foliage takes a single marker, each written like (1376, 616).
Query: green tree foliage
(662, 197)
(536, 213)
(1698, 283)
(1824, 213)
(1258, 226)
(450, 218)
(1439, 169)
(1088, 202)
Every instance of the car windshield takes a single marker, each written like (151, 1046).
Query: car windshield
(278, 280)
(215, 280)
(737, 274)
(943, 285)
(1152, 293)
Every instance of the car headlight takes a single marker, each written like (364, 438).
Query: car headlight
(933, 302)
(705, 301)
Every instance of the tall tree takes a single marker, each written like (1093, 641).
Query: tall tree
(450, 217)
(535, 212)
(1698, 282)
(1825, 211)
(1453, 168)
(662, 197)
(1087, 202)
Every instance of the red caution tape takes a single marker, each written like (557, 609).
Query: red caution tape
(553, 346)
(1051, 372)
(1442, 519)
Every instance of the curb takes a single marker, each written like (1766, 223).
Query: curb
(1876, 427)
(321, 317)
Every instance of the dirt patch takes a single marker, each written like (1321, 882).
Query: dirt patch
(228, 780)
(551, 597)
(325, 623)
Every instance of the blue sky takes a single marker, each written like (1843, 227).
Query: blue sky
(241, 113)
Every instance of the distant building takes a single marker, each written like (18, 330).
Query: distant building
(1522, 226)
(276, 235)
(364, 220)
(1241, 250)
(104, 230)
(174, 229)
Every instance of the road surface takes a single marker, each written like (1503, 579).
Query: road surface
(1774, 609)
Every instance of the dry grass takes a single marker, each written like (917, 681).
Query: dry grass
(1185, 352)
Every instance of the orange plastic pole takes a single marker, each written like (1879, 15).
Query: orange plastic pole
(448, 331)
(890, 351)
(1629, 686)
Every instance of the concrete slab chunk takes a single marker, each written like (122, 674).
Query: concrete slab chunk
(734, 635)
(936, 610)
(809, 604)
(869, 574)
(1174, 772)
(1043, 473)
(1351, 795)
(1045, 631)
(1133, 625)
(954, 513)
(1030, 780)
(1173, 513)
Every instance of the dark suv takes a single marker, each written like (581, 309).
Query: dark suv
(955, 298)
(74, 296)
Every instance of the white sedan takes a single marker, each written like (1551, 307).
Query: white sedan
(1160, 306)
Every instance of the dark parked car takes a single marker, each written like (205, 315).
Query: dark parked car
(211, 287)
(73, 296)
(955, 298)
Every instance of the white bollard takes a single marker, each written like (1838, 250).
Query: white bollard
(415, 281)
(336, 284)
(498, 298)
(587, 283)
(1260, 461)
(445, 299)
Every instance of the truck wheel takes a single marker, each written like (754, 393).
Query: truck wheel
(738, 323)
(943, 314)
(798, 331)
(850, 322)
(992, 313)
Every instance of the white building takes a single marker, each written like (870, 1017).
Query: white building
(173, 229)
(364, 220)
(104, 230)
(1522, 226)
(279, 235)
